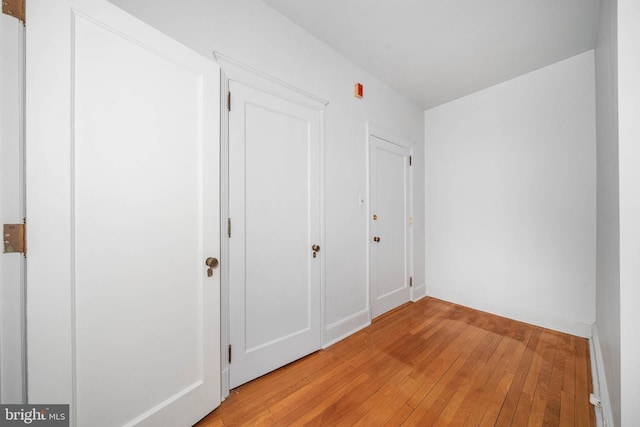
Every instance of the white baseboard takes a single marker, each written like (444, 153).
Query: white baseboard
(341, 329)
(604, 416)
(418, 292)
(522, 313)
(224, 386)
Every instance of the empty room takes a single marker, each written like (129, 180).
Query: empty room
(285, 212)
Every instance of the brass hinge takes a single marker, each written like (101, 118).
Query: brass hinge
(411, 281)
(229, 227)
(410, 160)
(15, 238)
(229, 101)
(229, 353)
(15, 8)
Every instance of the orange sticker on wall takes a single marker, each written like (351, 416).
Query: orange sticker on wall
(358, 90)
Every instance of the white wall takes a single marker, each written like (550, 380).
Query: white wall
(629, 164)
(510, 198)
(252, 33)
(608, 225)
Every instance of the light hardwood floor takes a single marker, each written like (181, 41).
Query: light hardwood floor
(429, 363)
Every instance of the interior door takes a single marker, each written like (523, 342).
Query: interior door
(389, 225)
(123, 211)
(274, 207)
(11, 209)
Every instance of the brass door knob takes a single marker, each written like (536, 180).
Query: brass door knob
(376, 239)
(315, 248)
(212, 262)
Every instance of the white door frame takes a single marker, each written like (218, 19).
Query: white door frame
(236, 71)
(393, 138)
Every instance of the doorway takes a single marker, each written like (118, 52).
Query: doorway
(390, 221)
(274, 225)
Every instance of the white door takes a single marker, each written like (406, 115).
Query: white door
(11, 209)
(389, 225)
(274, 206)
(122, 208)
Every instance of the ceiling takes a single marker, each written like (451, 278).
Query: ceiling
(434, 51)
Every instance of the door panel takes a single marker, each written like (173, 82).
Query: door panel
(11, 209)
(277, 228)
(274, 207)
(144, 214)
(390, 203)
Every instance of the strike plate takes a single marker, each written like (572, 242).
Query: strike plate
(14, 238)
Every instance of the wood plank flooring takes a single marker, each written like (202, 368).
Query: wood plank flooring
(429, 363)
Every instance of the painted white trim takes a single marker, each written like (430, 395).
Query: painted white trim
(604, 416)
(389, 136)
(232, 70)
(341, 329)
(323, 228)
(264, 82)
(418, 292)
(367, 213)
(543, 318)
(23, 208)
(224, 241)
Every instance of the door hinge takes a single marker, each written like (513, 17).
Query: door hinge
(410, 281)
(229, 227)
(229, 353)
(15, 8)
(228, 101)
(15, 238)
(410, 160)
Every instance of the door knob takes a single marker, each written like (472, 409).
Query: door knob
(376, 239)
(211, 263)
(315, 248)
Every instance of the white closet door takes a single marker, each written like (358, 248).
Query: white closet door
(274, 205)
(390, 204)
(123, 211)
